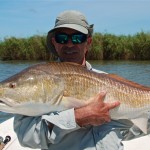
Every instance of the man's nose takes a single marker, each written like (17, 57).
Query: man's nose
(70, 44)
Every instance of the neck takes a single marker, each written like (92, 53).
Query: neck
(84, 62)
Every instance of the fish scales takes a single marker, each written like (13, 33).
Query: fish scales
(124, 88)
(133, 95)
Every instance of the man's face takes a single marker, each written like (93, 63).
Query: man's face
(69, 52)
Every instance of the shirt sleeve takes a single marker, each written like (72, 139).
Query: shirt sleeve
(33, 132)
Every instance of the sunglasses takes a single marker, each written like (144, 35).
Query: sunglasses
(76, 38)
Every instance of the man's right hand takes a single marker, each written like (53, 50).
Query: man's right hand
(95, 113)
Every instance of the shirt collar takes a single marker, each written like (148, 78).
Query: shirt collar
(88, 65)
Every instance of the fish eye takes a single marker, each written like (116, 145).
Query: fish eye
(12, 85)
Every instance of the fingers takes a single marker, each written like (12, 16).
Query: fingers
(113, 105)
(96, 112)
(100, 98)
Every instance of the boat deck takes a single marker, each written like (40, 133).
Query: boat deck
(6, 128)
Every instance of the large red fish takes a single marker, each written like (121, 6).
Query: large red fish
(48, 87)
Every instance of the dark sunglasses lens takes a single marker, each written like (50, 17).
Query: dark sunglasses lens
(61, 38)
(78, 38)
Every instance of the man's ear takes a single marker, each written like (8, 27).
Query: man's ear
(53, 40)
(89, 40)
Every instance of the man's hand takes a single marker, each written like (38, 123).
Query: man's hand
(95, 113)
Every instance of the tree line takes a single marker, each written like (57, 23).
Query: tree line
(104, 47)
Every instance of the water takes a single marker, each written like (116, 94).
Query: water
(9, 68)
(137, 71)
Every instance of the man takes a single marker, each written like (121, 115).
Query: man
(86, 128)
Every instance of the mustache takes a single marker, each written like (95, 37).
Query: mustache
(69, 49)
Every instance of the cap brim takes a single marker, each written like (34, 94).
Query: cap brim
(73, 26)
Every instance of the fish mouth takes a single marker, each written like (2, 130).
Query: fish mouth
(7, 101)
(2, 100)
(2, 103)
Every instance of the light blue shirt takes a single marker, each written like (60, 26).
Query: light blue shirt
(33, 132)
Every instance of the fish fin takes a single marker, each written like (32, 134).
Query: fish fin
(71, 102)
(75, 64)
(141, 123)
(72, 63)
(127, 82)
(8, 101)
(6, 108)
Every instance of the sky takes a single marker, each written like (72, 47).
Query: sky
(25, 18)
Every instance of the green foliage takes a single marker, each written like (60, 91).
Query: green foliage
(112, 47)
(104, 47)
(141, 46)
(96, 50)
(33, 48)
